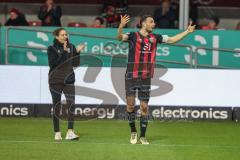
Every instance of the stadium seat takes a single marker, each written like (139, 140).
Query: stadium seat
(35, 23)
(77, 24)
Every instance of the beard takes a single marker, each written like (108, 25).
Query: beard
(149, 30)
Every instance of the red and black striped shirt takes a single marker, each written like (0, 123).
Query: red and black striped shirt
(142, 54)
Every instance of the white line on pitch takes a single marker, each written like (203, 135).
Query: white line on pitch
(100, 143)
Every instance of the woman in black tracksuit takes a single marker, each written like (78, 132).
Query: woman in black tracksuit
(62, 57)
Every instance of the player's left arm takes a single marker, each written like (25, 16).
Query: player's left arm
(180, 36)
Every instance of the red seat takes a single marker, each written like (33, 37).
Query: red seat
(77, 24)
(35, 23)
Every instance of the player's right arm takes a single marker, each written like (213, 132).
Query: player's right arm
(124, 20)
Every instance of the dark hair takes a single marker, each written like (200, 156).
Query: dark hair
(215, 19)
(57, 31)
(16, 11)
(144, 18)
(100, 19)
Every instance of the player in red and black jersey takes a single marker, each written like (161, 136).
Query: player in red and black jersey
(140, 68)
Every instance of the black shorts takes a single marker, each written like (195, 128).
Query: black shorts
(142, 85)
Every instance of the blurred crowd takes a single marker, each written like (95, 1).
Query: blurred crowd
(166, 16)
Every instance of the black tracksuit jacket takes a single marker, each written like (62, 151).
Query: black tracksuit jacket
(61, 63)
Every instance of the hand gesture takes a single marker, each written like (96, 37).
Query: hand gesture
(80, 48)
(124, 20)
(191, 28)
(49, 5)
(65, 46)
(49, 8)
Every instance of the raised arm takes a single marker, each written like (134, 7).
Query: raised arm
(124, 20)
(180, 36)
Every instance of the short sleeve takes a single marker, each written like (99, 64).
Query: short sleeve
(161, 38)
(130, 35)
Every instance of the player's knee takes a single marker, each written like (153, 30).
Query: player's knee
(144, 109)
(131, 101)
(130, 108)
(130, 104)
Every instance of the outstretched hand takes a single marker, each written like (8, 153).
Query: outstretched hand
(124, 20)
(191, 28)
(80, 48)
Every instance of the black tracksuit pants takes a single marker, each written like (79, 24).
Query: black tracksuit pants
(56, 92)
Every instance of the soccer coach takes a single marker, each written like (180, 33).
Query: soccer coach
(62, 57)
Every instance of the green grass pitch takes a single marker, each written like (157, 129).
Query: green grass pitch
(32, 138)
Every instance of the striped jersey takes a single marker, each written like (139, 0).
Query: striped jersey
(142, 54)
